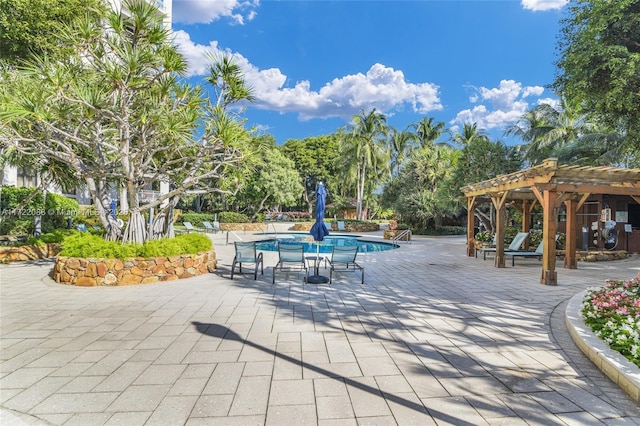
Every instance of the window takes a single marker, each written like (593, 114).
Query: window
(26, 178)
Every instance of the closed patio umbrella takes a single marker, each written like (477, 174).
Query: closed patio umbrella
(319, 231)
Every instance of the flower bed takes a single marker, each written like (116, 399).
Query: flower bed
(613, 313)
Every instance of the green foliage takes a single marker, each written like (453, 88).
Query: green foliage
(535, 237)
(56, 236)
(510, 233)
(422, 193)
(122, 94)
(484, 236)
(316, 159)
(443, 230)
(59, 209)
(36, 26)
(92, 246)
(275, 182)
(232, 217)
(599, 62)
(196, 219)
(483, 159)
(182, 244)
(54, 211)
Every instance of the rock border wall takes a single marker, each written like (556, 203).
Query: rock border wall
(116, 272)
(28, 252)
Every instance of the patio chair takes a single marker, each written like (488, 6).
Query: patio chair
(208, 227)
(189, 227)
(527, 253)
(290, 258)
(514, 246)
(82, 227)
(520, 253)
(246, 253)
(341, 226)
(343, 259)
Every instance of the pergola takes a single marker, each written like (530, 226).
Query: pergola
(551, 185)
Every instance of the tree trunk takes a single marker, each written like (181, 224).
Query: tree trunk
(136, 231)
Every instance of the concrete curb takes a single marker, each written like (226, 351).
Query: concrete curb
(619, 369)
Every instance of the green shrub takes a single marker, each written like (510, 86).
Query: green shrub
(444, 230)
(59, 209)
(233, 217)
(196, 219)
(56, 236)
(535, 237)
(92, 246)
(54, 211)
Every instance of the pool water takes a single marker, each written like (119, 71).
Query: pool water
(326, 246)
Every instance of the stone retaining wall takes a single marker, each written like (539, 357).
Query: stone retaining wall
(599, 256)
(251, 227)
(22, 253)
(333, 226)
(115, 272)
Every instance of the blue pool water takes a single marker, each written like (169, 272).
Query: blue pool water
(326, 246)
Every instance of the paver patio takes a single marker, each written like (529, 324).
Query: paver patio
(433, 337)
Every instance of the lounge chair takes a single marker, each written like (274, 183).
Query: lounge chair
(525, 253)
(520, 253)
(82, 227)
(246, 253)
(343, 259)
(189, 227)
(341, 226)
(290, 258)
(514, 246)
(208, 227)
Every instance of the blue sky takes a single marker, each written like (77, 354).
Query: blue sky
(315, 64)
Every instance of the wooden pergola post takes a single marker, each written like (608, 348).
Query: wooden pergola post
(471, 206)
(501, 218)
(549, 274)
(570, 260)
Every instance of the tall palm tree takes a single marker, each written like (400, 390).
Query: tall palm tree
(548, 131)
(400, 145)
(470, 133)
(363, 142)
(428, 131)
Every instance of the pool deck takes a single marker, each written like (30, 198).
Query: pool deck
(433, 337)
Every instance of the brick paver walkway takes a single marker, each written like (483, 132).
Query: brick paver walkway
(433, 337)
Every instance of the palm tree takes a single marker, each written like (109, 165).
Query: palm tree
(363, 142)
(548, 131)
(428, 131)
(470, 133)
(400, 144)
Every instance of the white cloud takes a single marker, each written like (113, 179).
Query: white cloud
(381, 87)
(542, 5)
(207, 11)
(498, 107)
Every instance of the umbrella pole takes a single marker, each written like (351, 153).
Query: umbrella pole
(316, 278)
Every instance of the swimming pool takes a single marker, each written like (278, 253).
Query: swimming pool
(326, 246)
